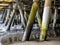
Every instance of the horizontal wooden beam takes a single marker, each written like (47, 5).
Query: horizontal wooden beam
(2, 4)
(1, 8)
(6, 0)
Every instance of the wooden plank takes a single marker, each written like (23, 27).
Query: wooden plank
(6, 0)
(4, 4)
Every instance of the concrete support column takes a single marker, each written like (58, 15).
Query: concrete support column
(45, 19)
(30, 20)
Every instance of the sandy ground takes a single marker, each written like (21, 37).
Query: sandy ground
(37, 43)
(49, 42)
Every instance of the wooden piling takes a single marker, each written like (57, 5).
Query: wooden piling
(45, 20)
(55, 17)
(12, 16)
(31, 20)
(54, 20)
(39, 19)
(8, 14)
(21, 13)
(25, 14)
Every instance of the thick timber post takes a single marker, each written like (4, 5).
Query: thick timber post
(30, 20)
(45, 20)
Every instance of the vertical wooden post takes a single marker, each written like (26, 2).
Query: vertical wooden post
(39, 19)
(30, 20)
(4, 13)
(11, 19)
(21, 13)
(54, 21)
(45, 19)
(25, 15)
(7, 17)
(55, 17)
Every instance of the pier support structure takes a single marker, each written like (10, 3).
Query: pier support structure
(45, 19)
(31, 19)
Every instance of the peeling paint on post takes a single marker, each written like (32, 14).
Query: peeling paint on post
(30, 20)
(45, 20)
